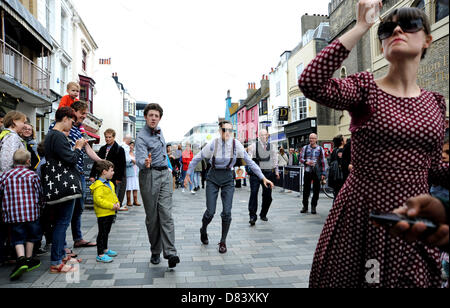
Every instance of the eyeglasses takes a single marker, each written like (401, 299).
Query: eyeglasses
(228, 130)
(386, 29)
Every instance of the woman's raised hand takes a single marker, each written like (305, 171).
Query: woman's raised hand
(367, 12)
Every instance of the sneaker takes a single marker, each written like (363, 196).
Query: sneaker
(264, 218)
(123, 208)
(182, 190)
(111, 253)
(193, 192)
(20, 268)
(104, 259)
(252, 222)
(33, 264)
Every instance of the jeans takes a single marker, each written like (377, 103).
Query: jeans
(121, 189)
(26, 232)
(104, 227)
(196, 179)
(78, 210)
(183, 175)
(63, 216)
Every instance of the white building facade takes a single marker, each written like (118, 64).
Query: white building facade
(278, 99)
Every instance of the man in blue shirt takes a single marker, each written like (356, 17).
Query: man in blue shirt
(313, 158)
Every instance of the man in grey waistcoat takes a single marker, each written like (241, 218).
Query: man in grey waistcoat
(155, 182)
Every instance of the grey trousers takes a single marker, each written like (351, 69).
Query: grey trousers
(156, 190)
(216, 181)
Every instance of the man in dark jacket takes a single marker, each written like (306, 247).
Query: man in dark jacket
(113, 152)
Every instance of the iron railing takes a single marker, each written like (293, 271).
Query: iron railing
(18, 67)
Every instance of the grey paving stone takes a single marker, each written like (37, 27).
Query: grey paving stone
(254, 282)
(100, 277)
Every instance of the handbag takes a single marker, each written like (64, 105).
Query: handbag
(60, 182)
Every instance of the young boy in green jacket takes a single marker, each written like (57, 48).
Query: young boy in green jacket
(105, 206)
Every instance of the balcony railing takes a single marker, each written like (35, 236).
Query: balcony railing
(15, 65)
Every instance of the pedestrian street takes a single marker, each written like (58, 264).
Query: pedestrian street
(273, 254)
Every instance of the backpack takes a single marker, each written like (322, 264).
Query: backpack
(335, 174)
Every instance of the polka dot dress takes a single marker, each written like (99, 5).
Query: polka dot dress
(396, 147)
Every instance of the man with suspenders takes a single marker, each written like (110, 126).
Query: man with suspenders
(223, 153)
(265, 156)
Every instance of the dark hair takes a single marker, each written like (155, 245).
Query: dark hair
(222, 123)
(64, 112)
(103, 165)
(153, 106)
(79, 106)
(410, 13)
(337, 141)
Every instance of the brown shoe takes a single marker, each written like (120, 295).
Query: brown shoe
(222, 247)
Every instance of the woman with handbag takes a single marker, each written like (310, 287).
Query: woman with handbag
(59, 151)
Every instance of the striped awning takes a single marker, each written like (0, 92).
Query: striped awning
(28, 21)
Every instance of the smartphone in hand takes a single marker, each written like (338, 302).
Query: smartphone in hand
(390, 219)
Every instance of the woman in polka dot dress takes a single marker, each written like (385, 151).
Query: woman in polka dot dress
(397, 134)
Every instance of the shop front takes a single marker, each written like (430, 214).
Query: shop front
(297, 133)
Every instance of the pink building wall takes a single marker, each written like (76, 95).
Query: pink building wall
(252, 123)
(247, 124)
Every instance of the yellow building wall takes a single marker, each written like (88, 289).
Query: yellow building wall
(30, 5)
(304, 55)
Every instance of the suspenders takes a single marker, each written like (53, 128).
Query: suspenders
(233, 149)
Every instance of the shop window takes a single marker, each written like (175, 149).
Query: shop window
(440, 9)
(419, 4)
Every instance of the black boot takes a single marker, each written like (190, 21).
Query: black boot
(225, 228)
(204, 236)
(304, 209)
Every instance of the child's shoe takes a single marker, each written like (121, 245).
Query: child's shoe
(111, 253)
(104, 259)
(20, 268)
(33, 264)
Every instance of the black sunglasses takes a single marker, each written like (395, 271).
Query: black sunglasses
(229, 130)
(386, 29)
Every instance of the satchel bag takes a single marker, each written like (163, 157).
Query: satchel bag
(60, 182)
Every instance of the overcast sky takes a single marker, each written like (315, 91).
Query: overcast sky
(185, 55)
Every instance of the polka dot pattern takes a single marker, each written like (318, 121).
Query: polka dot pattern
(396, 147)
